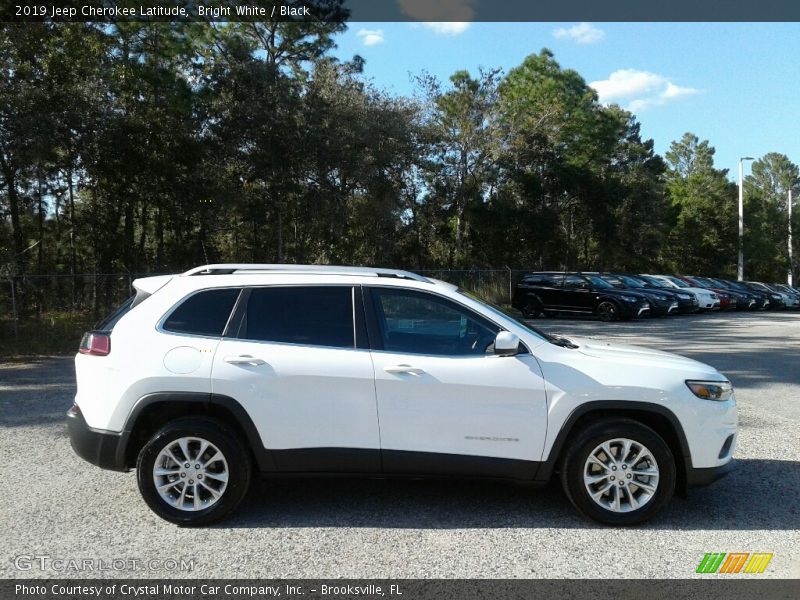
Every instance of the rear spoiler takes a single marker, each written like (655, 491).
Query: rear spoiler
(147, 286)
(150, 285)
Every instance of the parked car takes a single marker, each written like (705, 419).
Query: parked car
(706, 299)
(204, 378)
(555, 292)
(790, 296)
(661, 302)
(776, 299)
(762, 298)
(726, 300)
(742, 300)
(686, 301)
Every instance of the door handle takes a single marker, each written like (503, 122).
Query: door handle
(403, 370)
(244, 359)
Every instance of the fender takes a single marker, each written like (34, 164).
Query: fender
(547, 467)
(262, 456)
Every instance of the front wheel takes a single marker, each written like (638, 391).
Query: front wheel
(619, 472)
(608, 311)
(193, 471)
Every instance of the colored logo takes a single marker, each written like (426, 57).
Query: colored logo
(734, 562)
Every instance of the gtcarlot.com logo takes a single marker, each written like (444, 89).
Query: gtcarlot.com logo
(734, 562)
(44, 562)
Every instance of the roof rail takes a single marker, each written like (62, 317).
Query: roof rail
(228, 269)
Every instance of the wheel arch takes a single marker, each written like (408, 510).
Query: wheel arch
(152, 411)
(659, 418)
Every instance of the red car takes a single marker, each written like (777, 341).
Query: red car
(726, 301)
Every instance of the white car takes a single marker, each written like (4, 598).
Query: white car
(707, 299)
(202, 379)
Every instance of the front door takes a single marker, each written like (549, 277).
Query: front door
(446, 403)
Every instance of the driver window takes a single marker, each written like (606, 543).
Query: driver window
(420, 323)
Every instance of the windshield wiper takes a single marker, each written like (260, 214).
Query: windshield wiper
(562, 341)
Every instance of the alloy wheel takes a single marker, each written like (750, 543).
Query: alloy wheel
(190, 474)
(621, 475)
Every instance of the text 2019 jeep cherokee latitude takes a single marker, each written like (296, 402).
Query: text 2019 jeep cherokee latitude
(205, 378)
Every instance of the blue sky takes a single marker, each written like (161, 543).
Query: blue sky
(737, 85)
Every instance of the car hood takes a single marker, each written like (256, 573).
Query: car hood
(630, 355)
(623, 292)
(699, 291)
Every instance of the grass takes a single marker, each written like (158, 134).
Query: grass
(51, 333)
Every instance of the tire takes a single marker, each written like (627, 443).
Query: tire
(532, 309)
(636, 504)
(217, 487)
(608, 311)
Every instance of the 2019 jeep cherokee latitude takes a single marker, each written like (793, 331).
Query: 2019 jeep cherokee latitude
(204, 378)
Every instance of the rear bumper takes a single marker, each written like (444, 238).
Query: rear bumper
(702, 477)
(106, 449)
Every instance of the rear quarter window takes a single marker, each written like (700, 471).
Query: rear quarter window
(203, 313)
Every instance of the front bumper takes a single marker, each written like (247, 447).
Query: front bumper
(702, 477)
(688, 306)
(106, 449)
(663, 307)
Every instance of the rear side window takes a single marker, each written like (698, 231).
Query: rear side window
(108, 323)
(539, 279)
(204, 313)
(313, 315)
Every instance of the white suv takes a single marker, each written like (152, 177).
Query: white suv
(204, 378)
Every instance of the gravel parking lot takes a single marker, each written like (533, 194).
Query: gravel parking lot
(56, 505)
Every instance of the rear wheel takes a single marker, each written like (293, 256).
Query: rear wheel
(608, 311)
(532, 309)
(619, 472)
(193, 471)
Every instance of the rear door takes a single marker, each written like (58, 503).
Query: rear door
(295, 360)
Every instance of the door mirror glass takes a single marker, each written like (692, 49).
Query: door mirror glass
(506, 344)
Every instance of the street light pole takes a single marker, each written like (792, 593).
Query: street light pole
(790, 237)
(740, 265)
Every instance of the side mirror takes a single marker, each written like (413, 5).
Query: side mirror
(506, 344)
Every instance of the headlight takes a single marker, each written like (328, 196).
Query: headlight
(684, 296)
(711, 390)
(661, 297)
(629, 299)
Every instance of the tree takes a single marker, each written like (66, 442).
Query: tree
(766, 216)
(704, 237)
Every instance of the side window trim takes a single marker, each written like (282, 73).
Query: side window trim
(234, 324)
(360, 319)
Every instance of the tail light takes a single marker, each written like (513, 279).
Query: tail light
(95, 343)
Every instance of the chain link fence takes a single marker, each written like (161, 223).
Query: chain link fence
(47, 314)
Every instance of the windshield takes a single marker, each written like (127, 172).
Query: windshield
(599, 282)
(500, 312)
(678, 282)
(631, 282)
(654, 281)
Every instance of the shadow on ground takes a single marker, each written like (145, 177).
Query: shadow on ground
(734, 503)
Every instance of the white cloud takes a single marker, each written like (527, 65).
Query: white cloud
(640, 89)
(371, 37)
(582, 33)
(448, 27)
(443, 17)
